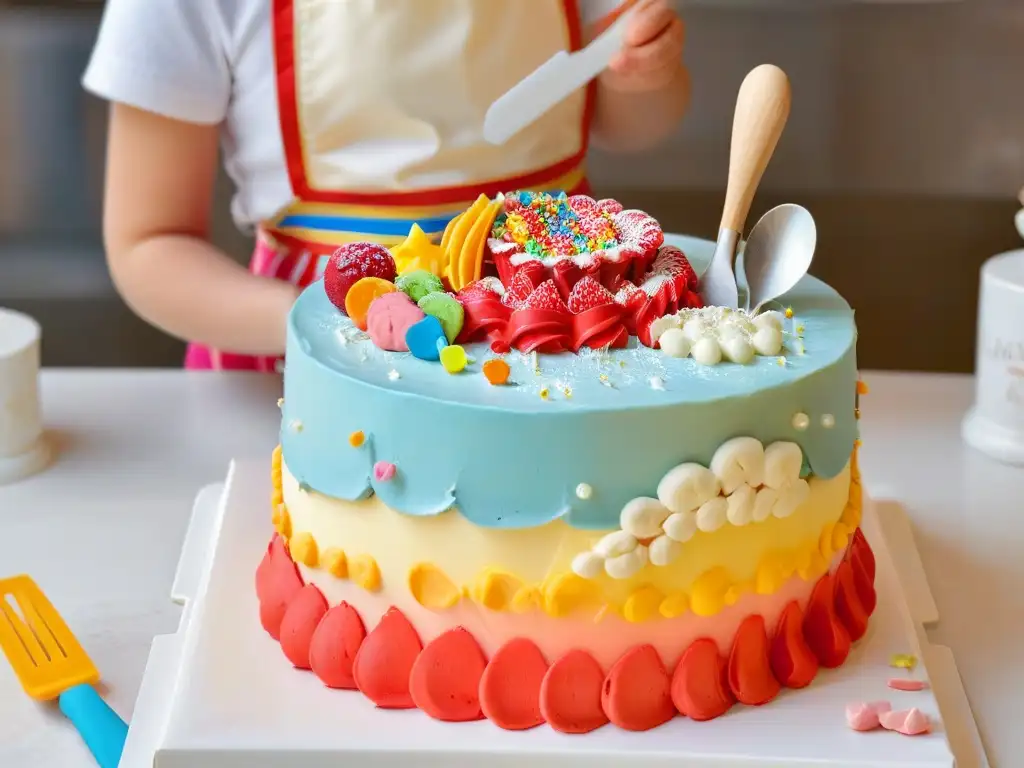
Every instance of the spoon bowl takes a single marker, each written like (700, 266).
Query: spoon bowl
(778, 253)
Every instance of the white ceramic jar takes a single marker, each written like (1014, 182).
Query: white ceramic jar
(23, 447)
(995, 425)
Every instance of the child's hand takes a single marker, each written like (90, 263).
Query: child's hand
(652, 51)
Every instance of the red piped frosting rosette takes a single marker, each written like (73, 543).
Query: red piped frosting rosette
(485, 315)
(542, 322)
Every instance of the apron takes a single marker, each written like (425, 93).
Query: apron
(382, 104)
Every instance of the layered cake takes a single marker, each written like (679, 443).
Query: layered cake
(524, 475)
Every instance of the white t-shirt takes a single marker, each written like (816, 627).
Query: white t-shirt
(212, 62)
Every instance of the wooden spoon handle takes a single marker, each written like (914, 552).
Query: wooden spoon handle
(762, 109)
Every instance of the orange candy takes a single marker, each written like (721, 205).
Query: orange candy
(496, 371)
(362, 294)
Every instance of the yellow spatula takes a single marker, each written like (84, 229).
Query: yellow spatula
(51, 664)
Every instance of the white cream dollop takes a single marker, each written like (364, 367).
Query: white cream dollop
(737, 349)
(680, 526)
(588, 565)
(675, 343)
(707, 351)
(694, 328)
(782, 463)
(625, 565)
(737, 462)
(642, 517)
(791, 497)
(719, 333)
(764, 503)
(741, 506)
(686, 487)
(664, 551)
(769, 319)
(615, 543)
(767, 341)
(663, 324)
(712, 514)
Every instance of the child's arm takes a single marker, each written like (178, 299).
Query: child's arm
(646, 90)
(159, 189)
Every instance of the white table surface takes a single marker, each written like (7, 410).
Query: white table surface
(101, 529)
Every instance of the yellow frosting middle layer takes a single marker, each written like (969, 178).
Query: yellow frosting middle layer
(443, 558)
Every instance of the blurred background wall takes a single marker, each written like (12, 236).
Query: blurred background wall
(906, 142)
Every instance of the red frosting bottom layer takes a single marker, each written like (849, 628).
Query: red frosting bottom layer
(450, 678)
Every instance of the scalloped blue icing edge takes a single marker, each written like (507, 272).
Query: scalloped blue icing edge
(525, 477)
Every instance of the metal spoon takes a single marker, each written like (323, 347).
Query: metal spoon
(762, 108)
(778, 253)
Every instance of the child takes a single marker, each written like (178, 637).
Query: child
(339, 120)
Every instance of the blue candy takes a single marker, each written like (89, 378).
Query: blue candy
(426, 338)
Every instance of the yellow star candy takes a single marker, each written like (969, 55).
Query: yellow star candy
(417, 251)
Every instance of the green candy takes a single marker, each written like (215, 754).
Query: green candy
(419, 283)
(446, 309)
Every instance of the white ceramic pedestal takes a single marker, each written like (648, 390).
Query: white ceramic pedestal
(220, 694)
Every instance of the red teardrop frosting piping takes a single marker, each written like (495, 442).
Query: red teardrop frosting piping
(599, 327)
(485, 316)
(865, 588)
(541, 330)
(452, 680)
(385, 660)
(335, 644)
(699, 686)
(847, 602)
(277, 582)
(300, 621)
(863, 561)
(263, 570)
(750, 673)
(862, 551)
(510, 686)
(445, 680)
(793, 663)
(825, 634)
(637, 693)
(570, 694)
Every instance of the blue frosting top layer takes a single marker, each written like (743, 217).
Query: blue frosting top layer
(509, 458)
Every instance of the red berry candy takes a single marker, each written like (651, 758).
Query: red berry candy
(545, 296)
(588, 294)
(350, 264)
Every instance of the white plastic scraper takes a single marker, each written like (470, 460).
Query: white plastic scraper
(554, 80)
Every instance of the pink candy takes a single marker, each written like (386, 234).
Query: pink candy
(389, 317)
(879, 714)
(906, 684)
(384, 471)
(909, 722)
(864, 716)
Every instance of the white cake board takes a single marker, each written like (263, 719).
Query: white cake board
(219, 693)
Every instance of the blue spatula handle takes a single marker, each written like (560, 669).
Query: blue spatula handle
(100, 727)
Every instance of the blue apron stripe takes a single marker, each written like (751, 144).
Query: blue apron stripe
(385, 227)
(365, 226)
